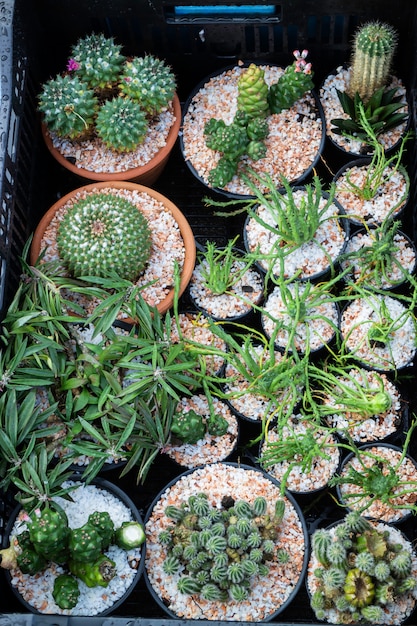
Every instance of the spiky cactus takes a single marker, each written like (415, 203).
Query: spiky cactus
(148, 81)
(121, 124)
(48, 532)
(68, 106)
(104, 233)
(292, 85)
(373, 50)
(188, 426)
(97, 59)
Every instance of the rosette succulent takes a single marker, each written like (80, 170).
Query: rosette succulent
(104, 233)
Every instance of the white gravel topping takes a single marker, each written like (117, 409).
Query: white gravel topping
(268, 593)
(388, 202)
(294, 139)
(91, 154)
(333, 110)
(362, 315)
(37, 590)
(236, 301)
(400, 260)
(321, 470)
(366, 428)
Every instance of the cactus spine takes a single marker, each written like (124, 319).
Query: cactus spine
(373, 51)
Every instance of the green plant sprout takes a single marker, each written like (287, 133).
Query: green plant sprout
(381, 168)
(379, 481)
(372, 264)
(221, 268)
(348, 391)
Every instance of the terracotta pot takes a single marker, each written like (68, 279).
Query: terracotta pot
(145, 174)
(184, 227)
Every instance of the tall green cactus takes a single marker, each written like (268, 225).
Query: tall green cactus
(373, 50)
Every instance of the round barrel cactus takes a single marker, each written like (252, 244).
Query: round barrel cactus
(97, 59)
(103, 234)
(149, 81)
(121, 124)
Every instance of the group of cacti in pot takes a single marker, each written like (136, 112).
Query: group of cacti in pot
(113, 393)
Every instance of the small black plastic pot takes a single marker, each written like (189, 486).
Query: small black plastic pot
(358, 221)
(388, 286)
(314, 276)
(122, 594)
(397, 516)
(228, 480)
(230, 195)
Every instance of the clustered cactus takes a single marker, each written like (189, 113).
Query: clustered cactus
(255, 101)
(218, 551)
(79, 551)
(360, 570)
(190, 427)
(105, 94)
(104, 233)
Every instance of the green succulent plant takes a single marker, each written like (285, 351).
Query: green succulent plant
(229, 552)
(103, 233)
(359, 594)
(69, 106)
(292, 85)
(149, 81)
(97, 60)
(121, 124)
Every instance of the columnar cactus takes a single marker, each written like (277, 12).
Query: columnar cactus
(373, 50)
(104, 233)
(292, 85)
(215, 558)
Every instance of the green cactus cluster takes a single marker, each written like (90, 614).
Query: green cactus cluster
(360, 570)
(104, 94)
(104, 233)
(217, 551)
(255, 102)
(190, 426)
(79, 551)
